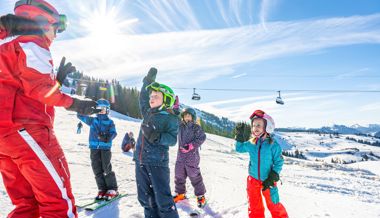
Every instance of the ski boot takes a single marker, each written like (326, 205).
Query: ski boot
(179, 197)
(201, 201)
(110, 194)
(100, 195)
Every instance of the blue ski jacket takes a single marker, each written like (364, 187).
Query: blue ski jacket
(264, 157)
(100, 125)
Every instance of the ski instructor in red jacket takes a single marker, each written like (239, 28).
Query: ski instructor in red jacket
(33, 166)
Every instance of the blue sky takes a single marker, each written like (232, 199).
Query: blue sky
(251, 44)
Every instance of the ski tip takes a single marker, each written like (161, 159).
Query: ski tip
(195, 214)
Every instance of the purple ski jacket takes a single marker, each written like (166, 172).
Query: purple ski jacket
(190, 133)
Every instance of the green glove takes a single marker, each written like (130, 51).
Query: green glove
(242, 132)
(151, 77)
(272, 178)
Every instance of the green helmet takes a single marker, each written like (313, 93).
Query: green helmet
(167, 92)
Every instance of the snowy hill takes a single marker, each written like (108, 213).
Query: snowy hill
(328, 147)
(371, 129)
(309, 188)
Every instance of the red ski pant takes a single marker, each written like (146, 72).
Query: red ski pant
(36, 175)
(255, 200)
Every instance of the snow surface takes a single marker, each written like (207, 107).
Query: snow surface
(309, 188)
(324, 148)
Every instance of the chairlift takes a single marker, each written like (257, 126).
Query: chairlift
(195, 96)
(279, 99)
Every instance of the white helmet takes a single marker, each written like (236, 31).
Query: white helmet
(269, 122)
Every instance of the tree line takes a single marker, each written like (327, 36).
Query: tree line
(125, 100)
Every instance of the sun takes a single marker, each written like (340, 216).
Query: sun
(105, 25)
(102, 24)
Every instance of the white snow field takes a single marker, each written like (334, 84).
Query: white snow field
(309, 188)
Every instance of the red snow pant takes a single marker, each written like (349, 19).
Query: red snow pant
(255, 200)
(35, 174)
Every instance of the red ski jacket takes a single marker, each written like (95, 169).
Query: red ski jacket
(28, 88)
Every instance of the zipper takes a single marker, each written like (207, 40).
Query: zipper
(142, 147)
(258, 165)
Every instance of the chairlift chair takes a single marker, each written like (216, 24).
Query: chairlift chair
(195, 96)
(279, 99)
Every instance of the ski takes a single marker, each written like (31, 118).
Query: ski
(192, 210)
(83, 205)
(195, 214)
(100, 204)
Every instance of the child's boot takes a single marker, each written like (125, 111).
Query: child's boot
(100, 195)
(110, 194)
(201, 201)
(179, 197)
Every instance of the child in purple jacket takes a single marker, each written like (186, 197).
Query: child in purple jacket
(190, 138)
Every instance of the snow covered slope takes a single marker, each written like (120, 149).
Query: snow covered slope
(327, 147)
(309, 188)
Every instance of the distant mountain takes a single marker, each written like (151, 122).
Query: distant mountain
(342, 129)
(218, 125)
(371, 129)
(377, 135)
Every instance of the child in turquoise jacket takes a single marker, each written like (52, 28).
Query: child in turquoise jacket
(265, 164)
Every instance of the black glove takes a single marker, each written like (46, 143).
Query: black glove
(16, 25)
(83, 107)
(272, 178)
(151, 77)
(150, 132)
(104, 137)
(242, 132)
(64, 70)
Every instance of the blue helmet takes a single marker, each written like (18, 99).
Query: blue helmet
(103, 103)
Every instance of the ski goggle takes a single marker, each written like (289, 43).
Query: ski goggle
(257, 114)
(61, 25)
(102, 107)
(168, 94)
(159, 88)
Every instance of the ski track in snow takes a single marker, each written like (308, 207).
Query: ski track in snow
(309, 189)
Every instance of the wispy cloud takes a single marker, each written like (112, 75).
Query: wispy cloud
(170, 15)
(232, 12)
(235, 6)
(239, 75)
(193, 53)
(370, 107)
(356, 73)
(265, 7)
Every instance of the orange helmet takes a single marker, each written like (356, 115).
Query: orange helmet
(41, 12)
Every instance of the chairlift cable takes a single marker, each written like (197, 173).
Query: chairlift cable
(285, 90)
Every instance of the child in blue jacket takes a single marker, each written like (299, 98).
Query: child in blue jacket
(158, 131)
(264, 166)
(102, 132)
